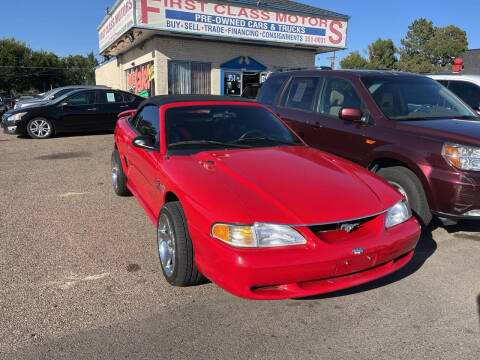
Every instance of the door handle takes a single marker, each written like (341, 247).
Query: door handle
(124, 106)
(92, 109)
(317, 125)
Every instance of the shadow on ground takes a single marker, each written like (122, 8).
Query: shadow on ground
(478, 306)
(66, 135)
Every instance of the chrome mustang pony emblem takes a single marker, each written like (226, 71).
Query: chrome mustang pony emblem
(349, 227)
(358, 251)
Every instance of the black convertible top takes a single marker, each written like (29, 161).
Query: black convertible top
(171, 99)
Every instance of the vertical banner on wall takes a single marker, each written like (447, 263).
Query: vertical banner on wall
(141, 80)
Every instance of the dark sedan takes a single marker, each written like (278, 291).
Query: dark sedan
(78, 111)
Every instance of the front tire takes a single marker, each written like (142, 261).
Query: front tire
(175, 247)
(40, 128)
(409, 185)
(118, 176)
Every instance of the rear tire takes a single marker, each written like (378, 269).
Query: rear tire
(175, 247)
(409, 185)
(40, 128)
(118, 176)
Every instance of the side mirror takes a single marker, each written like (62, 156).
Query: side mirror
(51, 97)
(126, 113)
(350, 114)
(146, 142)
(63, 104)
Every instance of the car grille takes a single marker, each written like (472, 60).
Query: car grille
(348, 230)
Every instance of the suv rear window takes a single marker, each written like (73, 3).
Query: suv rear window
(270, 90)
(301, 93)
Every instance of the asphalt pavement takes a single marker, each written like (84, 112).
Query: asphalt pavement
(80, 279)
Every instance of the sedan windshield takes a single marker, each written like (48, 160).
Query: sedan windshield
(415, 98)
(198, 128)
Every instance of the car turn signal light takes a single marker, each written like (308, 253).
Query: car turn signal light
(234, 235)
(451, 153)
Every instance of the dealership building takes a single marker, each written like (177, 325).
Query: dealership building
(158, 47)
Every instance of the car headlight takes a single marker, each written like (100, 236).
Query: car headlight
(397, 214)
(16, 116)
(462, 157)
(258, 235)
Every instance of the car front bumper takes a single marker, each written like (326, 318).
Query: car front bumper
(300, 271)
(13, 127)
(456, 194)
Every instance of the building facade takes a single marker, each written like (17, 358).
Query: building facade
(157, 47)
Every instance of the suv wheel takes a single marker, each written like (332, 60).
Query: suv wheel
(408, 184)
(175, 247)
(40, 128)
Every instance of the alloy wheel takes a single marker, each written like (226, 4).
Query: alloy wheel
(40, 128)
(166, 244)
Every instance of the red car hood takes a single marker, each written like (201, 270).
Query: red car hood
(293, 185)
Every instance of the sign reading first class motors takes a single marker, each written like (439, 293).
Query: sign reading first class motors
(221, 19)
(119, 21)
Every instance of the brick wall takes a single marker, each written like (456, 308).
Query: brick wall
(164, 49)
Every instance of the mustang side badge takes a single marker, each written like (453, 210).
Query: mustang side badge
(349, 227)
(159, 185)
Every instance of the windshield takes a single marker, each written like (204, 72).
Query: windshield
(415, 98)
(62, 97)
(198, 128)
(48, 93)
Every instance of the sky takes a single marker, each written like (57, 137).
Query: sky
(69, 27)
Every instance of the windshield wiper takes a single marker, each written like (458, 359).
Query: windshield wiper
(467, 117)
(206, 143)
(421, 118)
(264, 139)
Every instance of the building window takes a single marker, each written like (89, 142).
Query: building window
(232, 83)
(189, 77)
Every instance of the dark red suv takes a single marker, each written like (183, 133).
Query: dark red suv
(407, 128)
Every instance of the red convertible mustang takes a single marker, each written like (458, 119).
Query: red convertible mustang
(239, 198)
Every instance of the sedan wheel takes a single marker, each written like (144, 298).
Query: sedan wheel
(175, 247)
(166, 244)
(40, 128)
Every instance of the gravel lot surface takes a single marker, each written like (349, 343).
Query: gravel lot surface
(80, 279)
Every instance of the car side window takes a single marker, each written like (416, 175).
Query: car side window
(109, 97)
(468, 92)
(337, 94)
(302, 93)
(270, 90)
(147, 122)
(128, 98)
(61, 92)
(84, 98)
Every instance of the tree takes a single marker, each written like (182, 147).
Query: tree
(414, 55)
(354, 61)
(382, 54)
(22, 69)
(447, 44)
(14, 58)
(427, 48)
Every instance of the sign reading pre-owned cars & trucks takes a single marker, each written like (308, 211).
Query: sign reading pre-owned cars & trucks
(232, 21)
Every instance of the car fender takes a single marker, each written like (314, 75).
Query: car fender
(411, 159)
